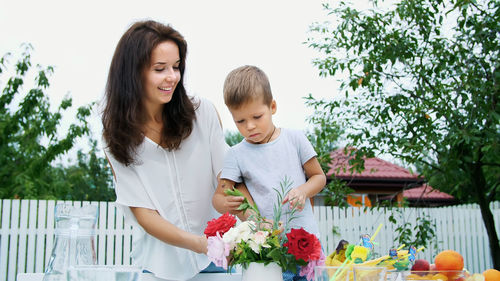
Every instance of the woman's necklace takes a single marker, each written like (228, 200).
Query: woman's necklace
(274, 129)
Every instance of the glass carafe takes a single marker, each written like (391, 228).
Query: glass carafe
(74, 240)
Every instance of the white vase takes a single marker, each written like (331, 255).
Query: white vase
(258, 272)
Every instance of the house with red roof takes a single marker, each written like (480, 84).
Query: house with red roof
(382, 180)
(425, 195)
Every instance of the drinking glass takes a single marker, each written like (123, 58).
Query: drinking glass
(371, 273)
(103, 273)
(434, 275)
(332, 273)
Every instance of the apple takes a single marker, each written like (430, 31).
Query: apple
(421, 265)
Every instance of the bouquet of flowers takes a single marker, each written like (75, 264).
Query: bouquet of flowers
(259, 240)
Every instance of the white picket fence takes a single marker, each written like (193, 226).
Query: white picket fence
(458, 228)
(27, 233)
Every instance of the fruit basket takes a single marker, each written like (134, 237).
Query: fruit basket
(434, 275)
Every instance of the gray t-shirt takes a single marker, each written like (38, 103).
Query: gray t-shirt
(264, 166)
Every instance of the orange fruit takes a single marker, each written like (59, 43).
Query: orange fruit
(449, 260)
(491, 275)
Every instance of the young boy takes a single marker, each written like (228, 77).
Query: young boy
(268, 154)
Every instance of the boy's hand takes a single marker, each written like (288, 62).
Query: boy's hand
(296, 198)
(244, 206)
(232, 203)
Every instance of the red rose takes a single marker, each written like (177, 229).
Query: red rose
(221, 225)
(303, 245)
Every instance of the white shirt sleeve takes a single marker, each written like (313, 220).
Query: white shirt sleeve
(129, 190)
(305, 148)
(231, 170)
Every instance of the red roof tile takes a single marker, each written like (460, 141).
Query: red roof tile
(426, 192)
(375, 168)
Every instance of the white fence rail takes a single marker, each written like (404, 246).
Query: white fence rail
(27, 233)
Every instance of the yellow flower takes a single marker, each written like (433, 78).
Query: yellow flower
(359, 254)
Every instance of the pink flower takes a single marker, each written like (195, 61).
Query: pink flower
(258, 240)
(218, 251)
(308, 270)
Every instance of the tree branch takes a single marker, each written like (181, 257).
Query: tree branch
(483, 12)
(420, 160)
(493, 192)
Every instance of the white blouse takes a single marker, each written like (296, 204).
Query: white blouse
(179, 184)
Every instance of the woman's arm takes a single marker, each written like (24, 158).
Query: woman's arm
(163, 230)
(226, 203)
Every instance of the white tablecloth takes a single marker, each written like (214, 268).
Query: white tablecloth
(147, 277)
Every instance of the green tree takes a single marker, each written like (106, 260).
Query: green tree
(30, 139)
(90, 179)
(325, 138)
(421, 83)
(232, 137)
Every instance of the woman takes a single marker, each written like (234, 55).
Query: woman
(165, 148)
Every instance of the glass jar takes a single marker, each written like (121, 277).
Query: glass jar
(74, 242)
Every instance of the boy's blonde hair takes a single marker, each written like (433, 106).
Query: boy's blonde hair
(244, 84)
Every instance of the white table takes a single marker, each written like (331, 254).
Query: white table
(147, 277)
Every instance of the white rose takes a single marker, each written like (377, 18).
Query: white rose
(231, 236)
(254, 246)
(245, 230)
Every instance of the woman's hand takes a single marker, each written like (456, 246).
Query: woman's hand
(200, 245)
(296, 198)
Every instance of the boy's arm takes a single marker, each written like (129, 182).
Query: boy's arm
(226, 203)
(316, 181)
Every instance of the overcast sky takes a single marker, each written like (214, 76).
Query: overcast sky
(78, 38)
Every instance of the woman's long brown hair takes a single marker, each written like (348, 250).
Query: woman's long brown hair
(123, 117)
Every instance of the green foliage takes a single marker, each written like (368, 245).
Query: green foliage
(417, 235)
(233, 138)
(278, 214)
(421, 83)
(30, 139)
(336, 192)
(90, 179)
(273, 249)
(324, 137)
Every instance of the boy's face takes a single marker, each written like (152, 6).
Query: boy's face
(254, 120)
